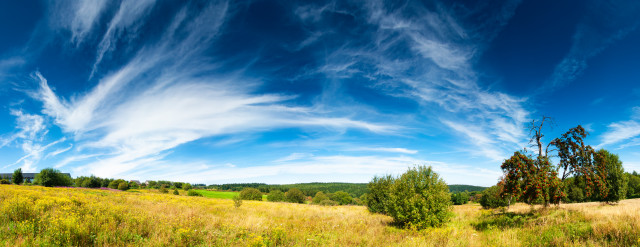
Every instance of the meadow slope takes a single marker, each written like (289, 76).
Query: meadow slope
(33, 215)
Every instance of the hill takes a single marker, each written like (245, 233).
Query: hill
(453, 188)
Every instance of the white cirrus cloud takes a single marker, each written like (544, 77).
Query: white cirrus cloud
(440, 78)
(166, 95)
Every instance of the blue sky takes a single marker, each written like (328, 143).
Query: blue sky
(304, 91)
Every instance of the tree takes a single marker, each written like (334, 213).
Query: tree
(187, 186)
(616, 182)
(152, 184)
(251, 194)
(319, 197)
(50, 177)
(535, 180)
(294, 195)
(341, 197)
(419, 198)
(276, 196)
(379, 194)
(491, 198)
(17, 176)
(460, 198)
(532, 181)
(177, 185)
(115, 183)
(123, 186)
(633, 188)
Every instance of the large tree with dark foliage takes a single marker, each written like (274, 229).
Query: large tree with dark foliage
(616, 181)
(50, 177)
(17, 177)
(536, 180)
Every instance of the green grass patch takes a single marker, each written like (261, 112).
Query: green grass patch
(217, 194)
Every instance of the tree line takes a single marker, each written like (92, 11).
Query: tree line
(579, 174)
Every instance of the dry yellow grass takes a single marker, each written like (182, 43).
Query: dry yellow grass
(32, 215)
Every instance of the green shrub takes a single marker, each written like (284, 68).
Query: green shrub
(237, 201)
(4, 181)
(252, 194)
(193, 193)
(175, 192)
(177, 185)
(50, 177)
(115, 183)
(460, 198)
(342, 198)
(320, 196)
(163, 189)
(133, 185)
(378, 198)
(187, 186)
(123, 186)
(294, 195)
(276, 196)
(491, 198)
(420, 199)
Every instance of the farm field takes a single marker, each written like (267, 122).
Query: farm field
(217, 194)
(221, 194)
(34, 216)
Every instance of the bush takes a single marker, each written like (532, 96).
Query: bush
(460, 198)
(294, 195)
(123, 186)
(320, 196)
(417, 199)
(175, 192)
(177, 185)
(491, 198)
(4, 181)
(276, 196)
(252, 194)
(342, 198)
(163, 189)
(193, 193)
(379, 194)
(187, 187)
(17, 176)
(237, 201)
(420, 199)
(115, 183)
(50, 177)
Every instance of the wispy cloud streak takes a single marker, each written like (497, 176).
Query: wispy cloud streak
(176, 99)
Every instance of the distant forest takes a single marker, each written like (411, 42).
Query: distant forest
(310, 189)
(454, 188)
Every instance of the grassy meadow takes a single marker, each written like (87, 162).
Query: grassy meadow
(39, 216)
(217, 194)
